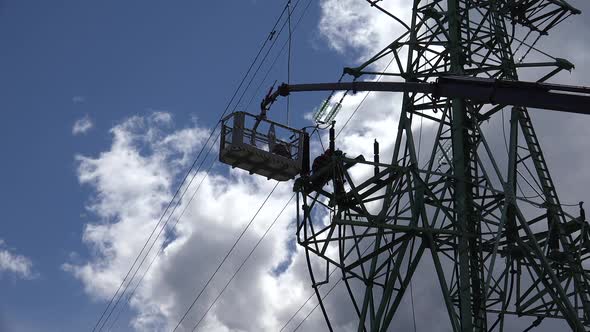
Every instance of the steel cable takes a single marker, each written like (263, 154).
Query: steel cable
(224, 258)
(244, 262)
(190, 307)
(241, 97)
(173, 226)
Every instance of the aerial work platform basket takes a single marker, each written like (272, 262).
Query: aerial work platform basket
(263, 147)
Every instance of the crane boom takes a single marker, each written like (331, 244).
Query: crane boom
(564, 98)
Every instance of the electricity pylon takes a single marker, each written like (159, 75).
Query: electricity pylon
(495, 250)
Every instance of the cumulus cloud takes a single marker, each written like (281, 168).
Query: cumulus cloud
(15, 264)
(82, 126)
(78, 99)
(132, 182)
(352, 25)
(134, 179)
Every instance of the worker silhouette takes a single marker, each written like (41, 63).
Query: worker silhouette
(582, 212)
(320, 162)
(282, 150)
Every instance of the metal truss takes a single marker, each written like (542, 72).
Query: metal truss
(496, 251)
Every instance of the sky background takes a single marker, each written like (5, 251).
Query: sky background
(104, 106)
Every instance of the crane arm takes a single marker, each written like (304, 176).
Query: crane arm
(564, 98)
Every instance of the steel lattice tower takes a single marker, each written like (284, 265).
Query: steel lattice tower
(495, 251)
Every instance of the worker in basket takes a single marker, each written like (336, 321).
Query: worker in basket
(281, 149)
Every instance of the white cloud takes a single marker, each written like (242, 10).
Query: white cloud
(78, 99)
(134, 179)
(82, 126)
(132, 182)
(351, 25)
(15, 264)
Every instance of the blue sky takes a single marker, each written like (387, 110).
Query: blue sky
(107, 60)
(120, 64)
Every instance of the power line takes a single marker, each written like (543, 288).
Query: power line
(173, 226)
(184, 180)
(156, 238)
(274, 61)
(288, 80)
(178, 190)
(272, 65)
(225, 258)
(280, 52)
(241, 96)
(244, 262)
(110, 304)
(302, 306)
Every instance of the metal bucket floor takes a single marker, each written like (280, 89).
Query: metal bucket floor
(260, 162)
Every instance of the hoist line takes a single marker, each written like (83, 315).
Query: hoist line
(278, 55)
(289, 62)
(181, 184)
(244, 261)
(172, 227)
(225, 257)
(274, 40)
